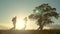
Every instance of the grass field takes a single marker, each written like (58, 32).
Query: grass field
(29, 31)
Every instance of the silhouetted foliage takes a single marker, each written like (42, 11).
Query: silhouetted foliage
(43, 15)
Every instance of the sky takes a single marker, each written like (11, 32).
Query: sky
(21, 9)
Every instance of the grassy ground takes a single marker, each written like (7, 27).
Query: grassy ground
(29, 31)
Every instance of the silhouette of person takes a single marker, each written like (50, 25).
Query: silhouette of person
(25, 19)
(14, 22)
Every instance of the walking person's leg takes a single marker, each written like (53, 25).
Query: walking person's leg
(14, 25)
(13, 28)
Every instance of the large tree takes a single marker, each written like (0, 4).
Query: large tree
(43, 15)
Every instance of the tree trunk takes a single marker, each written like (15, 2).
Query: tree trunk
(40, 27)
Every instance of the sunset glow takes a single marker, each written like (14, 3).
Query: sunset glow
(20, 24)
(22, 9)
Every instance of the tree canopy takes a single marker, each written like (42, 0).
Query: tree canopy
(43, 14)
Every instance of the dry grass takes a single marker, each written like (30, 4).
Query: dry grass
(30, 31)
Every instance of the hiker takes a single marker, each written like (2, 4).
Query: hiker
(14, 22)
(25, 20)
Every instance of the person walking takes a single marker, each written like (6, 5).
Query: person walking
(14, 23)
(25, 20)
